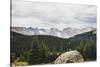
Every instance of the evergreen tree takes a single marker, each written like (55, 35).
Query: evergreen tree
(34, 53)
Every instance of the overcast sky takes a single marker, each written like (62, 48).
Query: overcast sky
(48, 15)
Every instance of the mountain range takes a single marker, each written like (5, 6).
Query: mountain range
(65, 33)
(22, 43)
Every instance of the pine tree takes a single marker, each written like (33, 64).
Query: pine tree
(34, 56)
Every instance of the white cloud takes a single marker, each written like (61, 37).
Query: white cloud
(39, 14)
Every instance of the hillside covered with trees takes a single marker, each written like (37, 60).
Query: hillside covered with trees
(41, 49)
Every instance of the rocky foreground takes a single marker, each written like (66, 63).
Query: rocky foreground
(67, 57)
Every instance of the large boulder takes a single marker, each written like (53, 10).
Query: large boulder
(69, 57)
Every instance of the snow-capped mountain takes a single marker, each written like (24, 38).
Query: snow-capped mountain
(69, 32)
(65, 33)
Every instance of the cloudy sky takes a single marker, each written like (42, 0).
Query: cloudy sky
(48, 15)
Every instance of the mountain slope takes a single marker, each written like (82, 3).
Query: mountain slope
(65, 33)
(54, 46)
(19, 41)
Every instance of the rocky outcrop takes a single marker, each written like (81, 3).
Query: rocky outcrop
(69, 57)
